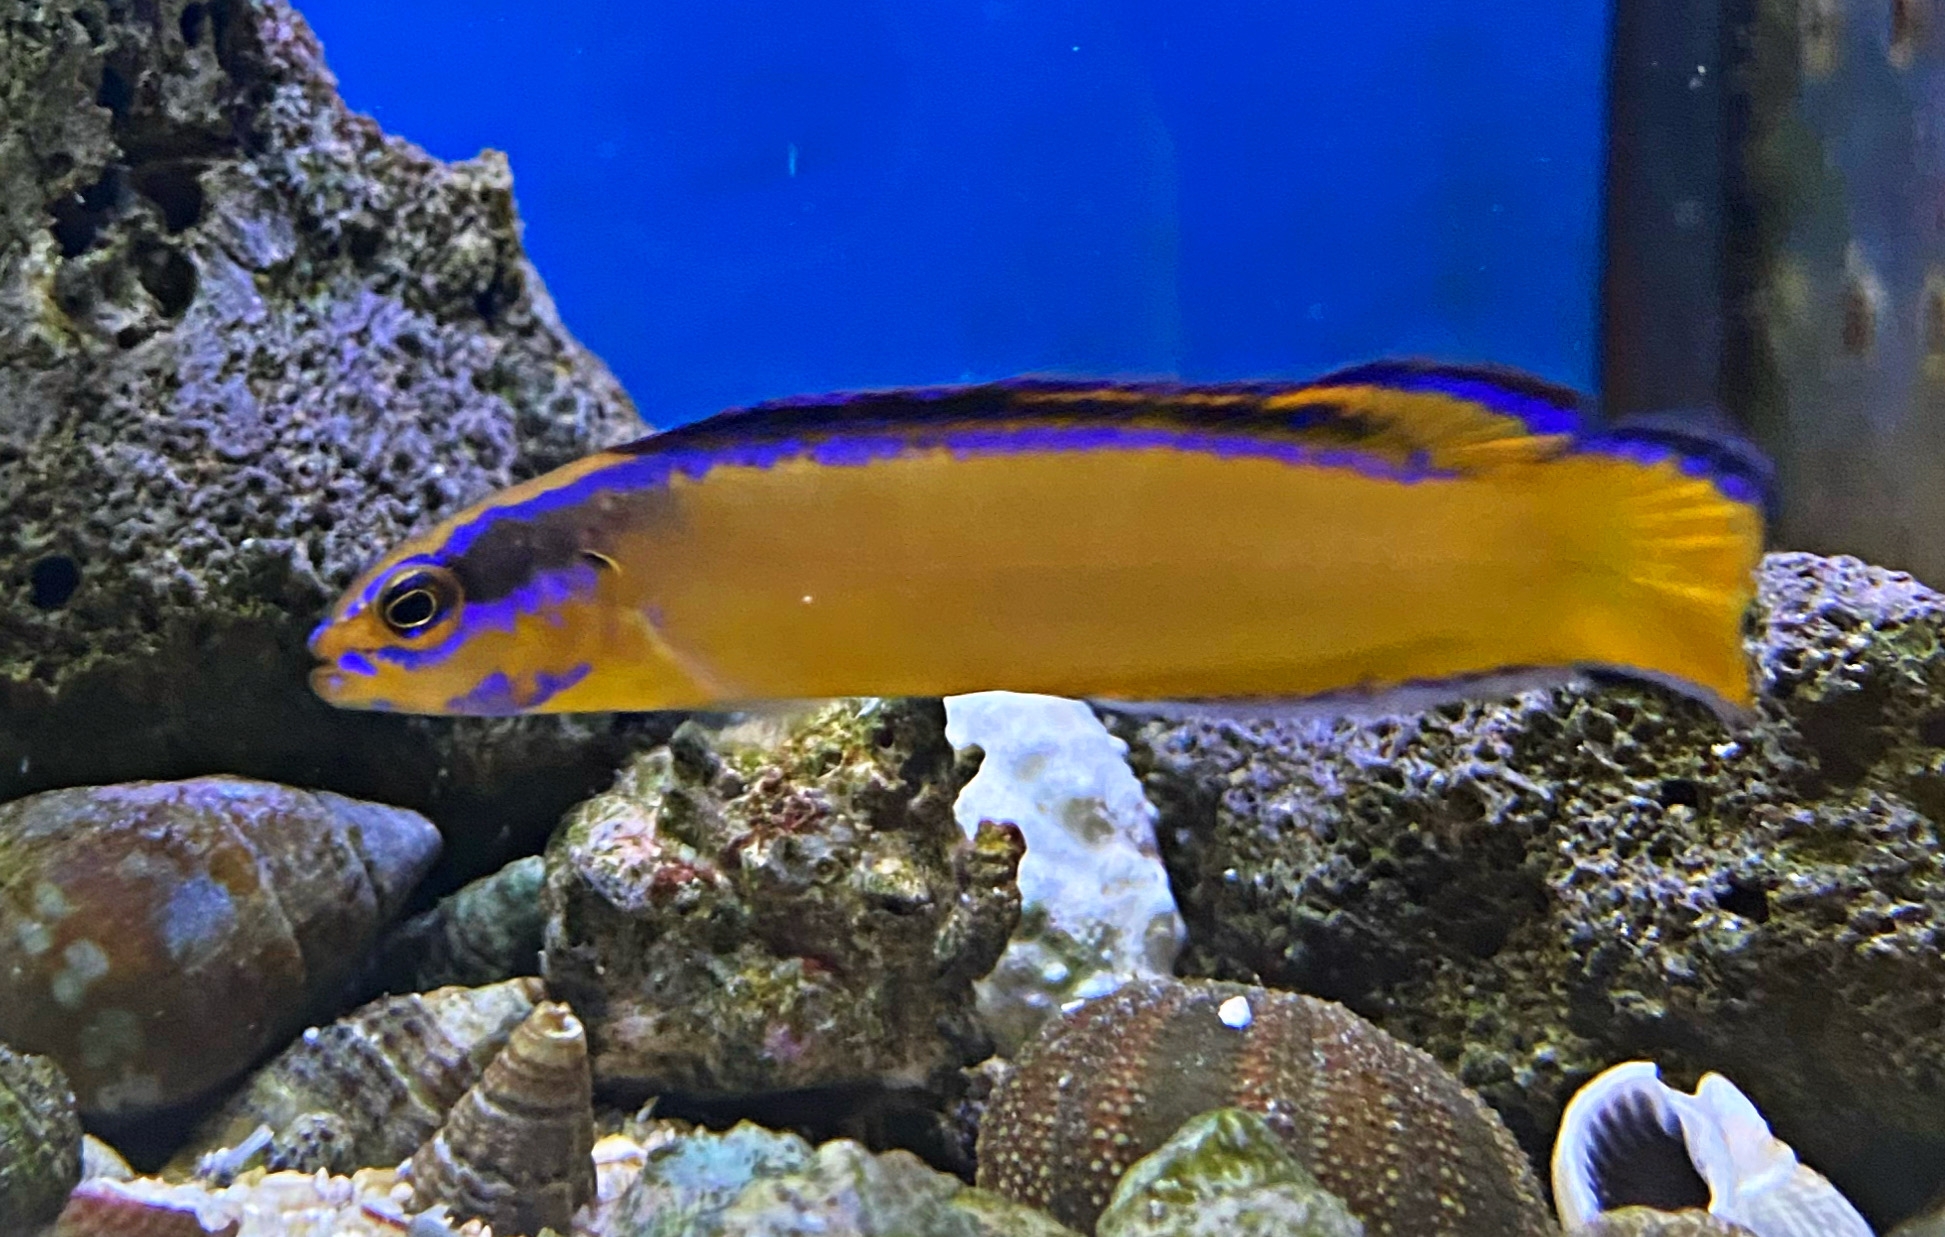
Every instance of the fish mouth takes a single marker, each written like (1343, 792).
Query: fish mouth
(328, 683)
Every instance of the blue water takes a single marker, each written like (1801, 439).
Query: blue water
(738, 199)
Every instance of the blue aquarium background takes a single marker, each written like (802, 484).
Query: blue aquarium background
(738, 199)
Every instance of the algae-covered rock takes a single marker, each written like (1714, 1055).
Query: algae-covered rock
(781, 907)
(40, 1141)
(691, 1178)
(1536, 887)
(846, 1191)
(247, 342)
(1224, 1174)
(751, 1182)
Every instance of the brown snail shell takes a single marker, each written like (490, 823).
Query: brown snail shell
(366, 1090)
(172, 932)
(517, 1149)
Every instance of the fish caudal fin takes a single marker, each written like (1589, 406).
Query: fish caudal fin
(1669, 568)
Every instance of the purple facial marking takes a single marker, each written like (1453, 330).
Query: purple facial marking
(416, 659)
(357, 663)
(492, 696)
(547, 686)
(497, 695)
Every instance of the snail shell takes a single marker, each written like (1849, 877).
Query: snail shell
(172, 932)
(367, 1089)
(1627, 1138)
(517, 1149)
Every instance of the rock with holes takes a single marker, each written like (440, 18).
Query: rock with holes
(1535, 887)
(781, 906)
(248, 340)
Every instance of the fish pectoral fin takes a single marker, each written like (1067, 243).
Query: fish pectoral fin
(705, 685)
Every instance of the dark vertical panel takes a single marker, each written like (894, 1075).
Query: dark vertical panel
(1662, 294)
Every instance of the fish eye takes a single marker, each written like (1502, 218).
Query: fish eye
(418, 599)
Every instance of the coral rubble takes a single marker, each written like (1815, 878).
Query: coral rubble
(1095, 907)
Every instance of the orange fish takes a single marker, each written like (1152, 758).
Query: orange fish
(1393, 526)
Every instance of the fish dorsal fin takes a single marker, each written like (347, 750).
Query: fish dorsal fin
(1453, 416)
(1413, 413)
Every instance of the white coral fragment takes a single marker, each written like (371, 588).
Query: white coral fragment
(1097, 911)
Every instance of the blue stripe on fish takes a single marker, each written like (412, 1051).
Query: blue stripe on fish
(658, 460)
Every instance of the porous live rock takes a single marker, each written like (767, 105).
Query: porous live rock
(164, 935)
(751, 1182)
(1224, 1174)
(40, 1141)
(783, 906)
(247, 342)
(1095, 907)
(1535, 888)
